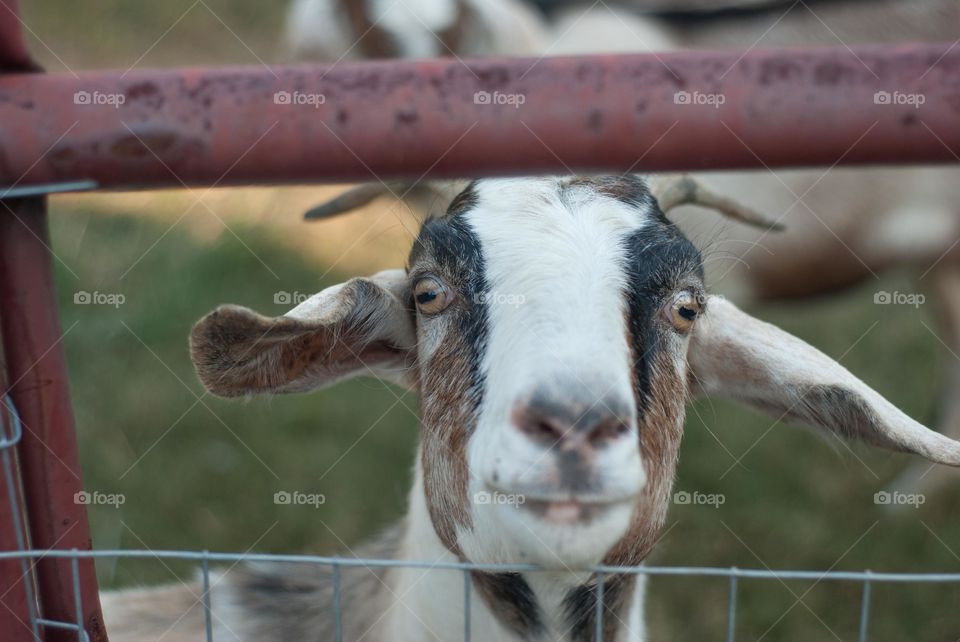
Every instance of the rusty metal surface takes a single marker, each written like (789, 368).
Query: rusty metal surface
(37, 371)
(47, 458)
(405, 118)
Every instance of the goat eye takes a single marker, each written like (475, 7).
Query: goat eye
(683, 311)
(431, 295)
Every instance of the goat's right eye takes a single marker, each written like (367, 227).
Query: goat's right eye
(432, 295)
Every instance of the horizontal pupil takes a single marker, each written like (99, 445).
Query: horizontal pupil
(426, 297)
(688, 313)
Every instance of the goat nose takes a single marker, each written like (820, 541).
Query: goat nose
(562, 425)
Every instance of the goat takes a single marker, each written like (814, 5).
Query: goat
(339, 29)
(569, 394)
(843, 226)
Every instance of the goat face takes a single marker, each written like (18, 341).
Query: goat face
(552, 321)
(551, 327)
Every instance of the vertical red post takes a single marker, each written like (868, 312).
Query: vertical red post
(36, 373)
(17, 592)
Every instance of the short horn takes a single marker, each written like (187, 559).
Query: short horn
(682, 189)
(353, 198)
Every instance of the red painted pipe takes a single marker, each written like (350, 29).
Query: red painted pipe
(49, 460)
(36, 376)
(690, 110)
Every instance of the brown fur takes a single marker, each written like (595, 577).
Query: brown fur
(448, 420)
(661, 429)
(628, 189)
(238, 352)
(371, 39)
(376, 42)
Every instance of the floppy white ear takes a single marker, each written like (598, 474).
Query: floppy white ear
(361, 327)
(732, 354)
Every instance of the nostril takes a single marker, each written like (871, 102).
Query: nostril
(543, 428)
(540, 429)
(608, 430)
(593, 429)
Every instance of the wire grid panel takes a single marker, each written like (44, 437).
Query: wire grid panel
(204, 558)
(11, 431)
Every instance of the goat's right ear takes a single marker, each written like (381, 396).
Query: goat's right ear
(363, 326)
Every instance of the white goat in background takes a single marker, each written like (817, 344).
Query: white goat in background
(843, 226)
(572, 399)
(349, 29)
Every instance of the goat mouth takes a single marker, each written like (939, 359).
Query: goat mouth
(568, 512)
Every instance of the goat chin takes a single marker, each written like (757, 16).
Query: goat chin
(519, 535)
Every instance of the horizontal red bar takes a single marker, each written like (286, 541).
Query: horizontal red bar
(689, 110)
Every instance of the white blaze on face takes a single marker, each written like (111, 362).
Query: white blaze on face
(556, 275)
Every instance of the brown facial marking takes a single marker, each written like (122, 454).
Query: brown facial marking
(661, 429)
(450, 376)
(626, 189)
(448, 420)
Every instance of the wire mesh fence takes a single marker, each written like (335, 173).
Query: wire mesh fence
(205, 558)
(12, 432)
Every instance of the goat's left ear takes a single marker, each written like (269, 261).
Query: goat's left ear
(733, 354)
(361, 327)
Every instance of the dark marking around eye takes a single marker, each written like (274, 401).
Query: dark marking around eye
(659, 257)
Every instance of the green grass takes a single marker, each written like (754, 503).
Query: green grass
(202, 475)
(121, 34)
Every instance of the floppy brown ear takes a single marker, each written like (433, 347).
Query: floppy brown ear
(363, 326)
(732, 354)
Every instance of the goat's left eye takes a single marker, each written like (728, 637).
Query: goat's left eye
(432, 295)
(684, 310)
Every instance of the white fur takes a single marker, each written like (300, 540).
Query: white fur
(551, 315)
(317, 29)
(566, 258)
(416, 591)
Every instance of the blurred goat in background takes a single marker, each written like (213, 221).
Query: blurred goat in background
(843, 226)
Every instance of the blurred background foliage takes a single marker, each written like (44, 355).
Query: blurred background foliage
(200, 473)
